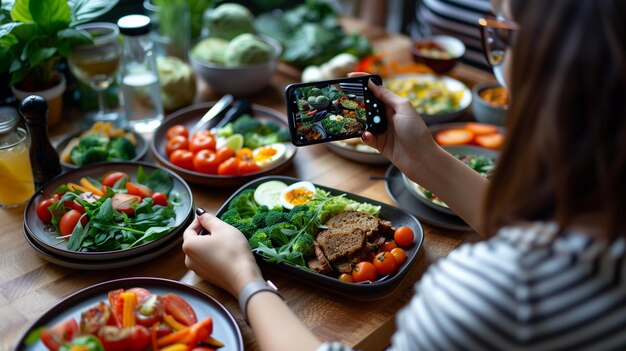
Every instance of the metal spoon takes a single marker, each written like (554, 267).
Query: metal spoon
(214, 111)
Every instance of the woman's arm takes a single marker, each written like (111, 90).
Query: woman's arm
(409, 144)
(211, 257)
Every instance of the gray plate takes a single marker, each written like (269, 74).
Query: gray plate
(398, 192)
(188, 117)
(141, 148)
(454, 150)
(373, 158)
(363, 291)
(37, 231)
(225, 328)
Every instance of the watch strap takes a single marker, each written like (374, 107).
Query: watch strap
(251, 289)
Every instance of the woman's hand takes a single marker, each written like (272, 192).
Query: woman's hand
(222, 257)
(407, 142)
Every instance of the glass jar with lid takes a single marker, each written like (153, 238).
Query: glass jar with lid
(16, 186)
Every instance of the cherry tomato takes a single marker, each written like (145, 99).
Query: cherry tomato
(182, 159)
(178, 142)
(73, 205)
(112, 178)
(202, 142)
(491, 141)
(159, 199)
(403, 236)
(120, 339)
(43, 214)
(385, 263)
(149, 312)
(228, 167)
(178, 308)
(60, 334)
(177, 130)
(247, 167)
(95, 318)
(138, 189)
(399, 254)
(123, 202)
(364, 271)
(224, 153)
(206, 161)
(69, 221)
(346, 278)
(202, 133)
(389, 245)
(454, 137)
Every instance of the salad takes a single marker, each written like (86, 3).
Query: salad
(241, 147)
(102, 142)
(305, 226)
(430, 97)
(133, 319)
(114, 212)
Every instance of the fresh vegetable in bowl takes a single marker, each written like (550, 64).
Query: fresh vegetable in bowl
(114, 212)
(311, 228)
(131, 319)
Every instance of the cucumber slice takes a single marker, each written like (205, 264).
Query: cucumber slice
(268, 193)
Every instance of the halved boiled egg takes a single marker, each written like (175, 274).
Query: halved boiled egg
(336, 117)
(296, 194)
(266, 156)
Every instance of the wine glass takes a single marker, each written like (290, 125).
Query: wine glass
(96, 64)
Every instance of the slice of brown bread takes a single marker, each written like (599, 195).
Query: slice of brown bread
(336, 243)
(350, 220)
(319, 263)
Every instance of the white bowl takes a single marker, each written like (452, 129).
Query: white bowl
(240, 80)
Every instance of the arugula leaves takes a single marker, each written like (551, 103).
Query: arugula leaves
(159, 181)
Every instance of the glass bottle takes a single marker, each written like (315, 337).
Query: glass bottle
(141, 92)
(16, 178)
(44, 159)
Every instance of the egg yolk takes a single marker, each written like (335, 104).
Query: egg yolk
(265, 154)
(298, 196)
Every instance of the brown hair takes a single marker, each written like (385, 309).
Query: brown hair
(565, 153)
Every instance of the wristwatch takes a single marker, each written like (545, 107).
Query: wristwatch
(251, 289)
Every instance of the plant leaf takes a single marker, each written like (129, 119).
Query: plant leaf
(152, 234)
(21, 11)
(50, 15)
(105, 212)
(82, 11)
(159, 181)
(77, 237)
(38, 54)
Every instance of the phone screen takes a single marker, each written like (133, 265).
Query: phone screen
(333, 110)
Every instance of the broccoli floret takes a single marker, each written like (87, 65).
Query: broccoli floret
(304, 245)
(276, 232)
(259, 217)
(296, 258)
(304, 219)
(270, 127)
(244, 203)
(225, 131)
(245, 124)
(276, 216)
(82, 156)
(93, 140)
(283, 135)
(121, 149)
(246, 227)
(259, 237)
(296, 209)
(254, 140)
(231, 216)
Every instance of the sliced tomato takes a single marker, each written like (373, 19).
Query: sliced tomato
(454, 137)
(149, 312)
(178, 308)
(95, 318)
(481, 128)
(121, 339)
(491, 141)
(159, 199)
(138, 189)
(117, 305)
(60, 334)
(124, 202)
(110, 179)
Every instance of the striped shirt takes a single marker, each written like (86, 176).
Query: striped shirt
(457, 18)
(523, 289)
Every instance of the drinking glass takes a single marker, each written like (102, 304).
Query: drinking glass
(96, 64)
(16, 185)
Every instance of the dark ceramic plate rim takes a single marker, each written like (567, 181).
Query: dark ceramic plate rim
(181, 114)
(374, 158)
(453, 149)
(141, 148)
(107, 255)
(332, 283)
(102, 288)
(105, 264)
(421, 211)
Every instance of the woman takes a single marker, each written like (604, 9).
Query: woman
(552, 273)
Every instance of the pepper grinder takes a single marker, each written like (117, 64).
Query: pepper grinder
(44, 159)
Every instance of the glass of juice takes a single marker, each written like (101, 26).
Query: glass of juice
(16, 176)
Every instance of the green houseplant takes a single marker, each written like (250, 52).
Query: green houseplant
(35, 35)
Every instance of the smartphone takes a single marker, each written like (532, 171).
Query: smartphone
(335, 109)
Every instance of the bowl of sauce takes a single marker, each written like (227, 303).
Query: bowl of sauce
(440, 53)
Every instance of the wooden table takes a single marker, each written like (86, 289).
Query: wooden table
(29, 285)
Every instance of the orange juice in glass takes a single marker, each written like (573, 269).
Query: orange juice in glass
(16, 177)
